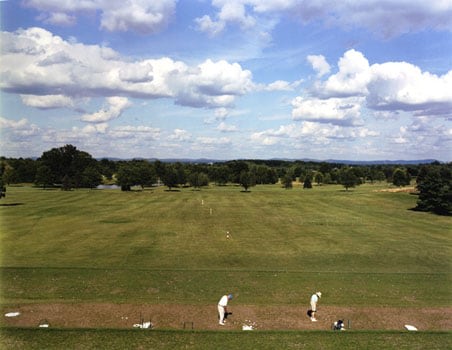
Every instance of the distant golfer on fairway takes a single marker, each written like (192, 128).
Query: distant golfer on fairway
(314, 300)
(223, 308)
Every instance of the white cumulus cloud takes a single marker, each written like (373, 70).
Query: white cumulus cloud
(403, 86)
(100, 128)
(310, 133)
(214, 84)
(319, 64)
(47, 101)
(352, 78)
(116, 105)
(13, 124)
(340, 111)
(180, 135)
(387, 86)
(213, 141)
(17, 129)
(281, 85)
(223, 127)
(129, 132)
(398, 16)
(229, 11)
(141, 16)
(36, 62)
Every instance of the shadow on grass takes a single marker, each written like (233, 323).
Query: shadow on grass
(433, 212)
(10, 204)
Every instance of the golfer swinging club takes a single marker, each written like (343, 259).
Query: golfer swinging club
(223, 307)
(314, 299)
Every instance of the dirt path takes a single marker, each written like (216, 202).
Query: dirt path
(106, 315)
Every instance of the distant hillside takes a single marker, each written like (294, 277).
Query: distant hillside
(337, 161)
(377, 162)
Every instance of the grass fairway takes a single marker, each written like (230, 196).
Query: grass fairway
(361, 248)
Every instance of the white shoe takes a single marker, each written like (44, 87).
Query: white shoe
(313, 319)
(221, 323)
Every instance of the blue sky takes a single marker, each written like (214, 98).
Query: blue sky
(228, 79)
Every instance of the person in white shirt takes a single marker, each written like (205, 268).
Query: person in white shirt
(223, 307)
(314, 300)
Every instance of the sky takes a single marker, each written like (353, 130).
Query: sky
(227, 79)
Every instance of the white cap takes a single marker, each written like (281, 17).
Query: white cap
(319, 294)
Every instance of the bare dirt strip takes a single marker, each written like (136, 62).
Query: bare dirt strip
(399, 189)
(108, 315)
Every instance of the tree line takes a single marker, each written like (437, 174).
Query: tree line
(68, 168)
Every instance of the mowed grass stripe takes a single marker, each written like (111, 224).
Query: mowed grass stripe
(50, 285)
(325, 228)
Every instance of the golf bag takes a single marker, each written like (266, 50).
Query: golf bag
(338, 325)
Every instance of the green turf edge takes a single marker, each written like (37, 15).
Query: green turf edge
(178, 286)
(32, 338)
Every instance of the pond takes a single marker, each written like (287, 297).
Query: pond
(108, 187)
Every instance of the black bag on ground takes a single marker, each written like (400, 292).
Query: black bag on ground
(338, 325)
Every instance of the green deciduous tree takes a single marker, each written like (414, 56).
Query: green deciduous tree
(144, 173)
(107, 168)
(9, 174)
(400, 177)
(198, 180)
(2, 189)
(67, 162)
(348, 178)
(237, 167)
(318, 178)
(181, 173)
(264, 174)
(170, 177)
(24, 170)
(287, 179)
(66, 183)
(434, 183)
(220, 174)
(247, 180)
(376, 174)
(126, 177)
(44, 176)
(307, 183)
(91, 177)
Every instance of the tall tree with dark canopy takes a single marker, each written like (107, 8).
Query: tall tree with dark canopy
(287, 179)
(67, 163)
(247, 180)
(400, 177)
(2, 189)
(44, 176)
(307, 181)
(348, 178)
(434, 183)
(127, 176)
(170, 177)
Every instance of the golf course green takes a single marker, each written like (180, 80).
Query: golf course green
(365, 249)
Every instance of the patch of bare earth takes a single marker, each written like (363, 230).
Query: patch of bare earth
(107, 315)
(399, 189)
